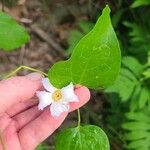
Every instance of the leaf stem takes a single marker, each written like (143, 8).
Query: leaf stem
(24, 67)
(79, 117)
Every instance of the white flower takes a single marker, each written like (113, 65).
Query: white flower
(58, 99)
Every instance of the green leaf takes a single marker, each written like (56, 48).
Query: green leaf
(138, 3)
(136, 125)
(137, 33)
(137, 129)
(128, 74)
(135, 135)
(138, 116)
(116, 18)
(148, 62)
(124, 85)
(12, 35)
(95, 61)
(133, 65)
(87, 137)
(144, 97)
(141, 144)
(134, 98)
(139, 39)
(146, 73)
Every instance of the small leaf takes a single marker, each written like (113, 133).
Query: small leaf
(138, 116)
(134, 98)
(136, 126)
(123, 86)
(135, 135)
(133, 65)
(116, 18)
(95, 61)
(137, 130)
(136, 32)
(128, 74)
(12, 35)
(144, 97)
(142, 144)
(87, 137)
(138, 3)
(146, 73)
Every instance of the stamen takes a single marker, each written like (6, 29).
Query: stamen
(57, 95)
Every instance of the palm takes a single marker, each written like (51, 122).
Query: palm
(15, 123)
(9, 132)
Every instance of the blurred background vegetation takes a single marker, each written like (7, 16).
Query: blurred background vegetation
(56, 26)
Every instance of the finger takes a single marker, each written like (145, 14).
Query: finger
(83, 95)
(27, 116)
(43, 126)
(21, 107)
(39, 129)
(18, 89)
(10, 138)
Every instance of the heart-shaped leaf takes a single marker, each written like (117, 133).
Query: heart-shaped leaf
(87, 137)
(12, 35)
(95, 61)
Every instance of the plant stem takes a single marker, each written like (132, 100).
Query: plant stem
(79, 117)
(24, 67)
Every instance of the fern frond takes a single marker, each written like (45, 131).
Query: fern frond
(138, 131)
(131, 85)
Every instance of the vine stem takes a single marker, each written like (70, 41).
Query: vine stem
(24, 67)
(79, 118)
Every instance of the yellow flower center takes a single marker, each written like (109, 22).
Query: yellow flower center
(57, 95)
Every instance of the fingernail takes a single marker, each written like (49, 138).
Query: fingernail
(34, 76)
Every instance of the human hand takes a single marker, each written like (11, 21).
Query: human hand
(22, 125)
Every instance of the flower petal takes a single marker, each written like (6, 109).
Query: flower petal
(57, 108)
(45, 99)
(68, 93)
(47, 85)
